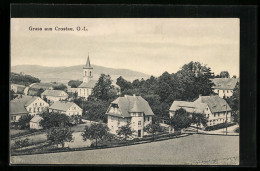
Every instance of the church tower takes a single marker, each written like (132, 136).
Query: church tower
(87, 72)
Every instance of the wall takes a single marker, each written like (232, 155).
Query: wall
(34, 125)
(84, 92)
(74, 110)
(114, 123)
(221, 93)
(37, 106)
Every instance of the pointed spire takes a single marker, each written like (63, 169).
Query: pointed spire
(88, 65)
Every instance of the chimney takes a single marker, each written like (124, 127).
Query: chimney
(134, 95)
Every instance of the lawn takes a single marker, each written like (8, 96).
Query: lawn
(194, 149)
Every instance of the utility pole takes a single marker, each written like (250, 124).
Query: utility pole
(226, 118)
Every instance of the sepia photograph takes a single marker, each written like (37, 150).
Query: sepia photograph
(124, 91)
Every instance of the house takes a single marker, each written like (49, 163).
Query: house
(224, 87)
(85, 88)
(129, 109)
(35, 122)
(54, 95)
(213, 107)
(17, 88)
(68, 108)
(32, 104)
(17, 110)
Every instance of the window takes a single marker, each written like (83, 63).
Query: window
(227, 91)
(214, 114)
(34, 109)
(40, 104)
(148, 118)
(38, 109)
(208, 115)
(139, 123)
(218, 114)
(139, 114)
(30, 109)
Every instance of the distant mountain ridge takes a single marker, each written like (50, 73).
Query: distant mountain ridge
(64, 74)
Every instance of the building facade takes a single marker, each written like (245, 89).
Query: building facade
(54, 95)
(224, 87)
(68, 108)
(35, 122)
(133, 110)
(214, 108)
(33, 104)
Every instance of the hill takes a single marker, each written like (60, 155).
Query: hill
(64, 74)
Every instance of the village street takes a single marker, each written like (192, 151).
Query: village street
(194, 149)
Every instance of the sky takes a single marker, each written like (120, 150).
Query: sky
(148, 45)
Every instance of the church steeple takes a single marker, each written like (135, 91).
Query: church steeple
(88, 65)
(87, 71)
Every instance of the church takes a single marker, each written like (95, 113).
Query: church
(85, 89)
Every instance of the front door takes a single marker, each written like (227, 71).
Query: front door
(139, 133)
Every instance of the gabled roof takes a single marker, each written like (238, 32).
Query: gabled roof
(25, 100)
(88, 66)
(191, 107)
(36, 119)
(132, 104)
(225, 83)
(215, 103)
(41, 85)
(62, 105)
(90, 84)
(56, 93)
(17, 108)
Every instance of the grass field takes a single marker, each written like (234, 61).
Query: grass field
(195, 149)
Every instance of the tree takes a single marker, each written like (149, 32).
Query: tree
(224, 74)
(101, 91)
(125, 131)
(39, 92)
(26, 80)
(180, 120)
(12, 95)
(59, 135)
(54, 120)
(152, 128)
(95, 110)
(95, 132)
(198, 119)
(233, 102)
(74, 83)
(24, 121)
(60, 87)
(124, 84)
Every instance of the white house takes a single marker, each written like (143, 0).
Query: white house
(129, 109)
(213, 107)
(224, 87)
(32, 104)
(68, 108)
(85, 88)
(54, 95)
(17, 110)
(35, 122)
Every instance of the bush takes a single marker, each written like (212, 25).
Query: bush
(237, 130)
(218, 126)
(21, 143)
(92, 145)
